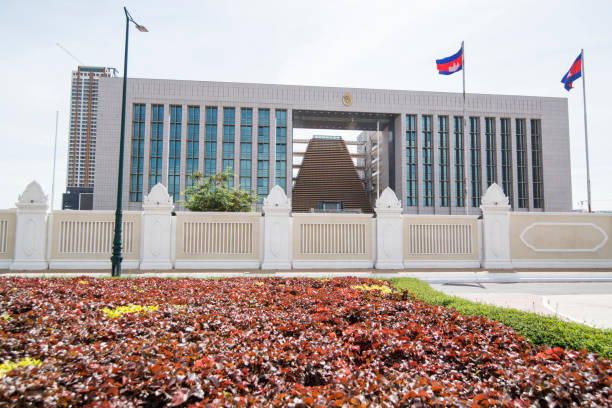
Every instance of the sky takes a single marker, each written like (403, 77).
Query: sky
(511, 47)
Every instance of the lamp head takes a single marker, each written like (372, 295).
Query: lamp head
(142, 28)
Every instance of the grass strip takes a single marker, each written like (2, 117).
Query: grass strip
(540, 330)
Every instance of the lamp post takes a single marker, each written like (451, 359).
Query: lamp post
(116, 258)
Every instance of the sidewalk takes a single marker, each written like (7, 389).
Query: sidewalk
(581, 302)
(432, 276)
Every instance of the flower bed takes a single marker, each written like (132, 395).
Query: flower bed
(270, 342)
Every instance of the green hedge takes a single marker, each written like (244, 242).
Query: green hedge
(538, 329)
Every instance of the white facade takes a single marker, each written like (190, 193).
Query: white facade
(549, 114)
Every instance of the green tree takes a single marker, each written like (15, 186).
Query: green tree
(212, 193)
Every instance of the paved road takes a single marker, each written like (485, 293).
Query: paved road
(583, 302)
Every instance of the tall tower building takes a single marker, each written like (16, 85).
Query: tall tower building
(82, 136)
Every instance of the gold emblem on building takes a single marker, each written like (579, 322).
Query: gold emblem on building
(347, 99)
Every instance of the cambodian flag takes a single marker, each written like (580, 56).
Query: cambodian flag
(573, 74)
(452, 64)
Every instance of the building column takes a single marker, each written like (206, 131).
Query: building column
(31, 230)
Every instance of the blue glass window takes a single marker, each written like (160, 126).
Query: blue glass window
(281, 148)
(506, 158)
(411, 161)
(443, 159)
(193, 144)
(263, 153)
(459, 162)
(475, 161)
(228, 141)
(210, 147)
(174, 157)
(157, 139)
(137, 159)
(490, 151)
(521, 165)
(536, 164)
(427, 162)
(246, 139)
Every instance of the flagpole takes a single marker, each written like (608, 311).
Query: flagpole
(586, 138)
(463, 135)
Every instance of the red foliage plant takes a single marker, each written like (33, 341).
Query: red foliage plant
(271, 342)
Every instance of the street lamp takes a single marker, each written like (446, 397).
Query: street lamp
(116, 258)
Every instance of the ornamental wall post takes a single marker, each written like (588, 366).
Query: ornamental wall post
(278, 242)
(157, 229)
(389, 236)
(31, 229)
(496, 229)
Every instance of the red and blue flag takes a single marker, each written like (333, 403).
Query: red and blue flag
(573, 74)
(452, 64)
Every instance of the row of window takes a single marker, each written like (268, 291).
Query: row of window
(210, 148)
(458, 150)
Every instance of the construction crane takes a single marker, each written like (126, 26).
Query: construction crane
(68, 52)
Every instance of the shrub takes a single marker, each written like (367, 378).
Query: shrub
(538, 329)
(212, 193)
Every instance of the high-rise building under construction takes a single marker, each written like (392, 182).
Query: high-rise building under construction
(82, 136)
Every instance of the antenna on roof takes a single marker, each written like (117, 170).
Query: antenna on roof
(68, 52)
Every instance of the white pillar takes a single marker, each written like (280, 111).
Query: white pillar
(157, 229)
(496, 229)
(389, 231)
(31, 230)
(278, 242)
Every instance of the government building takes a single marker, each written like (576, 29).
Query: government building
(437, 155)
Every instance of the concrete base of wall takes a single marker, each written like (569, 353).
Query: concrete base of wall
(80, 264)
(497, 264)
(216, 264)
(442, 264)
(389, 265)
(28, 265)
(276, 265)
(563, 264)
(332, 264)
(156, 266)
(5, 263)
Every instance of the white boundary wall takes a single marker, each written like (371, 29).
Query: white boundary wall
(154, 239)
